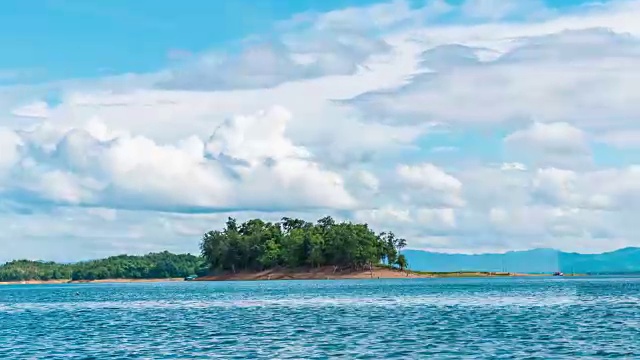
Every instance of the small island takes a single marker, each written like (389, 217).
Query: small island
(291, 249)
(294, 249)
(256, 246)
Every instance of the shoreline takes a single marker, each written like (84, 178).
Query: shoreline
(101, 281)
(323, 273)
(328, 273)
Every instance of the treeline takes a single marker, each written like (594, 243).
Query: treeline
(253, 245)
(150, 266)
(293, 243)
(20, 270)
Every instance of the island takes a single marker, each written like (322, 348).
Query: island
(252, 250)
(294, 249)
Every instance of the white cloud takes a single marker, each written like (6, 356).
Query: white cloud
(409, 220)
(487, 186)
(319, 123)
(38, 109)
(427, 183)
(368, 180)
(375, 16)
(105, 214)
(386, 215)
(541, 77)
(247, 163)
(442, 218)
(499, 9)
(558, 138)
(265, 65)
(9, 148)
(610, 189)
(380, 16)
(553, 143)
(622, 139)
(72, 234)
(513, 166)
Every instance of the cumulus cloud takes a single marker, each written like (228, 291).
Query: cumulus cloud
(427, 183)
(523, 209)
(560, 138)
(248, 162)
(610, 189)
(413, 220)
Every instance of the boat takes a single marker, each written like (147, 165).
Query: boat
(190, 277)
(558, 273)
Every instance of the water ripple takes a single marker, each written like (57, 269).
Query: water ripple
(390, 319)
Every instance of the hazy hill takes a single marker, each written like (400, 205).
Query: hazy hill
(530, 261)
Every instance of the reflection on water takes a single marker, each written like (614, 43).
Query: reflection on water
(393, 319)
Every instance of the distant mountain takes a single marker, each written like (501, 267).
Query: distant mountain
(530, 261)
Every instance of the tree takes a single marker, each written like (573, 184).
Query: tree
(153, 265)
(289, 224)
(257, 245)
(272, 254)
(315, 255)
(402, 262)
(388, 248)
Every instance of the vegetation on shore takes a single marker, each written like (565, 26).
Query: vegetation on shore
(255, 249)
(151, 266)
(256, 245)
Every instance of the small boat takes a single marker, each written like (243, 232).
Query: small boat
(190, 278)
(558, 273)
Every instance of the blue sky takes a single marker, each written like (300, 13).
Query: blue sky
(59, 39)
(135, 126)
(67, 38)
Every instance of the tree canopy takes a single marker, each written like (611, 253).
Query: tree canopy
(292, 243)
(150, 266)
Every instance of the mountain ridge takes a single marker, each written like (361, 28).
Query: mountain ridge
(539, 260)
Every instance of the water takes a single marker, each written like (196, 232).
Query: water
(513, 318)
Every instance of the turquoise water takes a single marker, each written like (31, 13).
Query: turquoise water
(552, 318)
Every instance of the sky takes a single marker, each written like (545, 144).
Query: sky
(465, 126)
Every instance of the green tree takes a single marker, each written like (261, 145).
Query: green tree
(256, 245)
(153, 265)
(402, 262)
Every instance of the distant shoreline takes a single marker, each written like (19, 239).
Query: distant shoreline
(323, 273)
(328, 273)
(42, 282)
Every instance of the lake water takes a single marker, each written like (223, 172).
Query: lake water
(513, 318)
